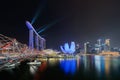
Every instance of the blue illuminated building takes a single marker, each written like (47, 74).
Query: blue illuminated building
(68, 49)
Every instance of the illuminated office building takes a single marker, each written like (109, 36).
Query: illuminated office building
(107, 45)
(87, 47)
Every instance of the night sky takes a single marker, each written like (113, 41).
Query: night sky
(77, 20)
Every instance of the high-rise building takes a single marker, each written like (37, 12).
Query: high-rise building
(107, 45)
(99, 46)
(87, 47)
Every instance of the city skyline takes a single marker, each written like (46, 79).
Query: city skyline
(82, 21)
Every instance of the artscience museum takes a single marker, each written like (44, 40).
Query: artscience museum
(68, 49)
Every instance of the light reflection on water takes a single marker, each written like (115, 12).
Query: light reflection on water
(80, 68)
(68, 66)
(94, 67)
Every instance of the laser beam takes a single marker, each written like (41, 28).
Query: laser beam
(45, 27)
(39, 11)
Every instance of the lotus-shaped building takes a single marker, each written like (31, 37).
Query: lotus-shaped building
(68, 49)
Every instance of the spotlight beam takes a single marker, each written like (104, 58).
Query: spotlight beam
(39, 10)
(45, 27)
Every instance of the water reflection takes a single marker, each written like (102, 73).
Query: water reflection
(21, 72)
(78, 63)
(106, 67)
(99, 65)
(33, 69)
(53, 61)
(68, 66)
(80, 68)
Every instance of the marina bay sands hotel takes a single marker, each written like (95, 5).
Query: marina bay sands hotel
(35, 40)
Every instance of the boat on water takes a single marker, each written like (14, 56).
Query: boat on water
(11, 65)
(34, 63)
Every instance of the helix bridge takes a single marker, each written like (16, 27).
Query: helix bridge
(12, 50)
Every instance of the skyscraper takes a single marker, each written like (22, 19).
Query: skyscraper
(107, 45)
(87, 47)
